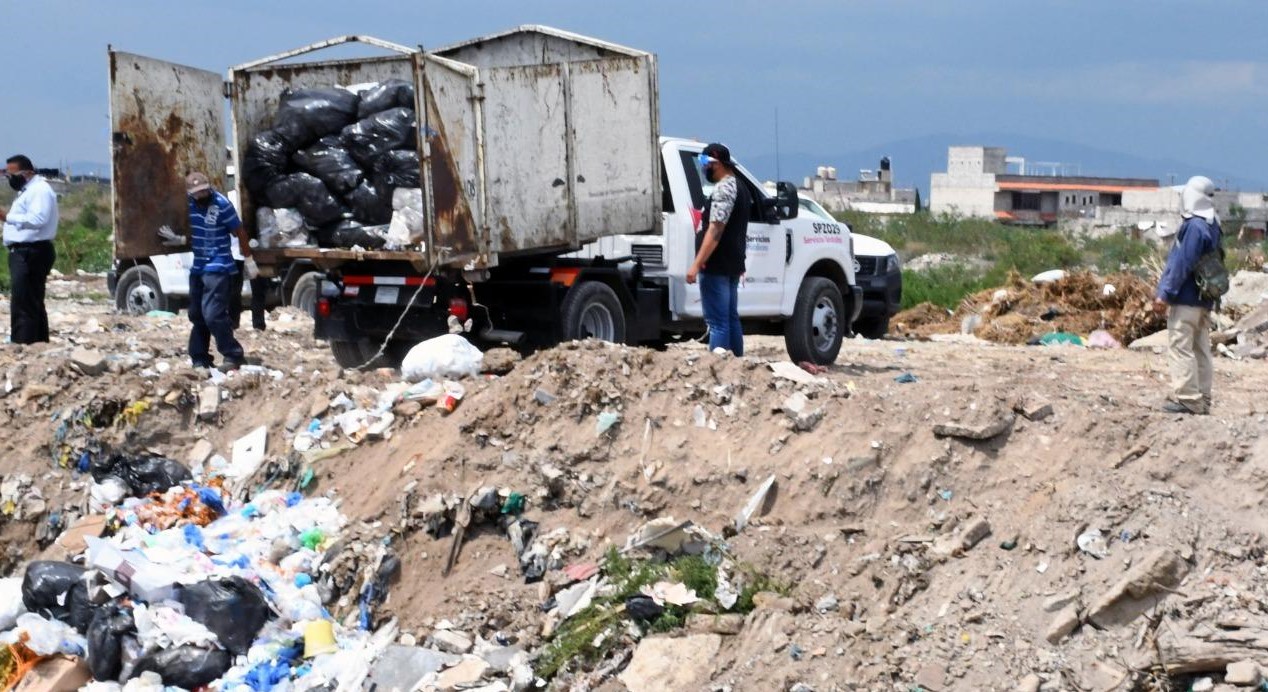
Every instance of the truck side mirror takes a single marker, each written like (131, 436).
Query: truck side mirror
(786, 204)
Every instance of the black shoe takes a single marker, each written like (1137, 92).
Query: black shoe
(203, 364)
(1174, 407)
(259, 326)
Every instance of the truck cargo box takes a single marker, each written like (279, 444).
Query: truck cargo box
(529, 141)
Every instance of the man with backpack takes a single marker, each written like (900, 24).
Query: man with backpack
(1192, 281)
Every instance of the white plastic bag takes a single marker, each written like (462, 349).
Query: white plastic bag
(266, 226)
(407, 198)
(10, 602)
(406, 227)
(291, 231)
(448, 356)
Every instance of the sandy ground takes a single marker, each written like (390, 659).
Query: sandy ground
(867, 497)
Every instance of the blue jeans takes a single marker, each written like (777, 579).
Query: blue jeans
(209, 312)
(720, 297)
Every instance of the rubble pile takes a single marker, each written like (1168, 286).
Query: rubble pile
(1024, 312)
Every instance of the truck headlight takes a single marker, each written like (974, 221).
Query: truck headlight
(892, 264)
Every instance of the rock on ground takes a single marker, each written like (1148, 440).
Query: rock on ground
(672, 664)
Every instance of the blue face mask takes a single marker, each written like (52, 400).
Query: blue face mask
(706, 167)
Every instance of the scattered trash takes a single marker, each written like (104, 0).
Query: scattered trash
(1060, 339)
(754, 503)
(605, 421)
(1102, 339)
(906, 378)
(1092, 542)
(673, 593)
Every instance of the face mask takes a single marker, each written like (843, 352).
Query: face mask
(17, 181)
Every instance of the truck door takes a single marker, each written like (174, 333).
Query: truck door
(762, 288)
(165, 120)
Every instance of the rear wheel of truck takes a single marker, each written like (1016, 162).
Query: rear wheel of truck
(304, 293)
(357, 354)
(139, 291)
(592, 311)
(817, 326)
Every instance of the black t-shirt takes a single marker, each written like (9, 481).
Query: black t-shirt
(728, 257)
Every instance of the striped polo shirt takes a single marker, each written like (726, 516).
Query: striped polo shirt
(210, 231)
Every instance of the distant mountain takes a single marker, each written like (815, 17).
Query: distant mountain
(915, 159)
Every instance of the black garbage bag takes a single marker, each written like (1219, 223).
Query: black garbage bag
(46, 588)
(147, 475)
(267, 157)
(397, 168)
(305, 115)
(187, 667)
(308, 194)
(372, 137)
(109, 626)
(143, 474)
(371, 203)
(644, 608)
(347, 233)
(330, 163)
(81, 610)
(233, 608)
(390, 94)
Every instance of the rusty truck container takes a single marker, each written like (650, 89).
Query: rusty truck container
(532, 140)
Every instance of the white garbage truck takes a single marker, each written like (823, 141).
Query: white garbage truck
(552, 207)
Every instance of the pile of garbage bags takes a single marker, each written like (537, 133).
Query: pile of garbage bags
(340, 168)
(187, 586)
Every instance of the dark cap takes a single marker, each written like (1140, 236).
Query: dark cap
(720, 153)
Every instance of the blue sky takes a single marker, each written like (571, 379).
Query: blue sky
(1162, 79)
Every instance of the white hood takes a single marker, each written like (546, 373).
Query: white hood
(867, 246)
(1196, 199)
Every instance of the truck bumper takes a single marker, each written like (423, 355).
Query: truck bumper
(882, 295)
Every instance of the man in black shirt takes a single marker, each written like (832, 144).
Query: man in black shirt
(720, 250)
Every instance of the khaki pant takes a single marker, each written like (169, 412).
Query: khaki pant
(1189, 353)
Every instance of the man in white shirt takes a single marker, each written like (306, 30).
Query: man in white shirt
(29, 228)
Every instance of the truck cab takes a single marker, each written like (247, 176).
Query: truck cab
(799, 279)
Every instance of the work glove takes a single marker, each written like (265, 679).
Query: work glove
(169, 237)
(250, 268)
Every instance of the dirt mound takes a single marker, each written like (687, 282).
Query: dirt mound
(1004, 519)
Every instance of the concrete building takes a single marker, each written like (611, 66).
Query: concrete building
(978, 183)
(873, 192)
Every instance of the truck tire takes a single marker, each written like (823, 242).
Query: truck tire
(817, 326)
(304, 293)
(872, 327)
(591, 310)
(357, 354)
(139, 291)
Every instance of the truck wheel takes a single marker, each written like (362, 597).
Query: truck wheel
(817, 326)
(356, 354)
(139, 291)
(304, 293)
(872, 328)
(592, 311)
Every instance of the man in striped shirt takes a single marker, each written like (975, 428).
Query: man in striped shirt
(212, 220)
